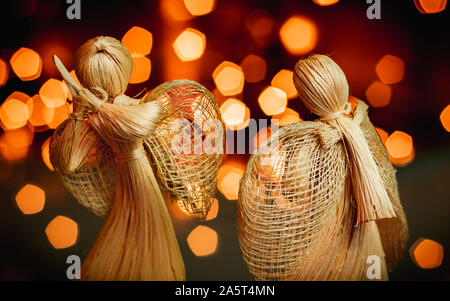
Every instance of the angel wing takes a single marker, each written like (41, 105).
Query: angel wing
(190, 123)
(393, 231)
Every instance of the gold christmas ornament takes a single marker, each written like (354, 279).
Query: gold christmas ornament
(115, 153)
(319, 199)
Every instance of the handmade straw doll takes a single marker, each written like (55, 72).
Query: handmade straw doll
(319, 199)
(107, 151)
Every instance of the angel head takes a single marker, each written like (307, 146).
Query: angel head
(103, 62)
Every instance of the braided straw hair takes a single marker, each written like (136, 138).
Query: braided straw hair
(137, 241)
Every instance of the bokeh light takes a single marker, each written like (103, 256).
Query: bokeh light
(45, 152)
(213, 210)
(383, 134)
(261, 26)
(400, 148)
(14, 114)
(138, 40)
(235, 114)
(390, 69)
(284, 80)
(60, 114)
(62, 232)
(41, 115)
(287, 117)
(199, 7)
(254, 68)
(298, 35)
(261, 136)
(273, 101)
(325, 2)
(445, 118)
(430, 6)
(229, 78)
(427, 253)
(175, 10)
(202, 241)
(4, 73)
(142, 68)
(26, 64)
(30, 199)
(14, 144)
(378, 94)
(230, 173)
(189, 45)
(52, 93)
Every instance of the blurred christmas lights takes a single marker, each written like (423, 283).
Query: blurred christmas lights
(273, 101)
(235, 114)
(46, 154)
(426, 253)
(229, 78)
(378, 94)
(284, 80)
(230, 173)
(4, 73)
(26, 64)
(199, 7)
(141, 69)
(62, 232)
(138, 40)
(445, 118)
(30, 199)
(213, 210)
(261, 136)
(390, 69)
(202, 241)
(254, 68)
(400, 148)
(287, 117)
(52, 93)
(298, 35)
(430, 6)
(189, 45)
(325, 2)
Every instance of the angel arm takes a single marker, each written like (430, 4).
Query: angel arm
(129, 122)
(71, 143)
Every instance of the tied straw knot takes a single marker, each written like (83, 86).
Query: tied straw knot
(134, 154)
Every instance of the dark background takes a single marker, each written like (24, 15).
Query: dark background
(345, 33)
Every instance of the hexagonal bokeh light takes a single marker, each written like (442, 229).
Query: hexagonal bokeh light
(445, 118)
(235, 114)
(427, 253)
(189, 45)
(53, 93)
(400, 148)
(62, 232)
(298, 35)
(138, 40)
(254, 68)
(390, 69)
(26, 64)
(273, 101)
(199, 7)
(202, 241)
(378, 94)
(30, 199)
(229, 78)
(287, 117)
(230, 173)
